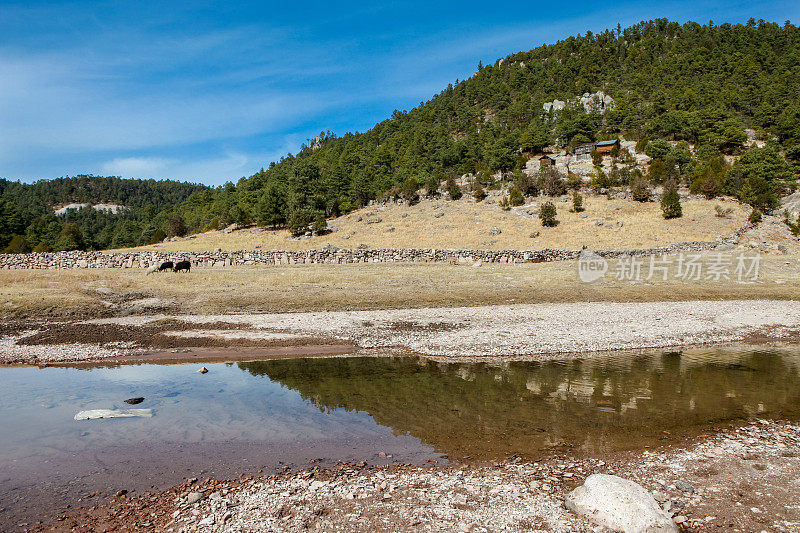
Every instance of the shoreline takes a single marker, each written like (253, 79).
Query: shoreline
(699, 484)
(513, 332)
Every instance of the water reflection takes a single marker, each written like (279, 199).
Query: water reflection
(592, 405)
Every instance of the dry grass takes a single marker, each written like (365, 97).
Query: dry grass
(89, 293)
(466, 224)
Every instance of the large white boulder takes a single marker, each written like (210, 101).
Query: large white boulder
(619, 504)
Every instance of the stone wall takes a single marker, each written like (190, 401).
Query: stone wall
(217, 259)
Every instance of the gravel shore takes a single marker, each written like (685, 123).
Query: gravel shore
(736, 479)
(541, 331)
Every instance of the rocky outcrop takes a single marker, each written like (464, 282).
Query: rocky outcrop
(620, 505)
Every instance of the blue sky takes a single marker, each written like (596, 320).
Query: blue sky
(212, 91)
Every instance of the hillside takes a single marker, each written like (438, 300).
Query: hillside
(444, 224)
(710, 108)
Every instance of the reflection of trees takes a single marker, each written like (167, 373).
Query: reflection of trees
(523, 407)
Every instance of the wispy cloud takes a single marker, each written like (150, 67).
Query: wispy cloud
(213, 91)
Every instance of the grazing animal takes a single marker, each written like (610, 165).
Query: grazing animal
(166, 265)
(182, 265)
(152, 268)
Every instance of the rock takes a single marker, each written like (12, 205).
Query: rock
(134, 401)
(330, 248)
(202, 370)
(390, 229)
(534, 234)
(619, 504)
(316, 485)
(684, 487)
(94, 414)
(207, 521)
(438, 215)
(194, 497)
(377, 220)
(495, 231)
(404, 215)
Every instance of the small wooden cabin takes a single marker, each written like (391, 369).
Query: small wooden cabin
(605, 147)
(546, 161)
(584, 148)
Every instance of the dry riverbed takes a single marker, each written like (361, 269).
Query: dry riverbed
(537, 331)
(734, 479)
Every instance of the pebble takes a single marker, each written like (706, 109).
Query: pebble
(194, 497)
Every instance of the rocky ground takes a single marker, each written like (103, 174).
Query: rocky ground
(737, 479)
(539, 331)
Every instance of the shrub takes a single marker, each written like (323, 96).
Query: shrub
(158, 236)
(722, 212)
(214, 224)
(755, 216)
(453, 190)
(41, 247)
(794, 226)
(320, 224)
(528, 185)
(551, 183)
(597, 158)
(432, 187)
(640, 191)
(477, 192)
(409, 192)
(574, 182)
(515, 197)
(299, 220)
(18, 245)
(505, 203)
(70, 238)
(671, 203)
(547, 214)
(177, 227)
(577, 202)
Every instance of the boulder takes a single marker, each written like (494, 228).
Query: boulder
(619, 504)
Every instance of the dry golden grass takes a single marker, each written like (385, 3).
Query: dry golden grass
(466, 224)
(88, 293)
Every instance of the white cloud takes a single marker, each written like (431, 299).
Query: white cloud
(135, 166)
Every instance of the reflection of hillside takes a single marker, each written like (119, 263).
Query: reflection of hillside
(523, 407)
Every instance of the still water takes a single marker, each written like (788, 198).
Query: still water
(489, 409)
(244, 417)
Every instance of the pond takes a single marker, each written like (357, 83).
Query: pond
(250, 416)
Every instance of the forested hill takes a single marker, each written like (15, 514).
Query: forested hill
(131, 193)
(27, 212)
(698, 84)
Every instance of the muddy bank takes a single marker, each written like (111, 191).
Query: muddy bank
(159, 340)
(735, 479)
(543, 331)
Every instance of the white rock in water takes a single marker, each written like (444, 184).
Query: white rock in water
(619, 504)
(113, 413)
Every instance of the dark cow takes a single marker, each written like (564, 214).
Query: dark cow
(182, 265)
(166, 265)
